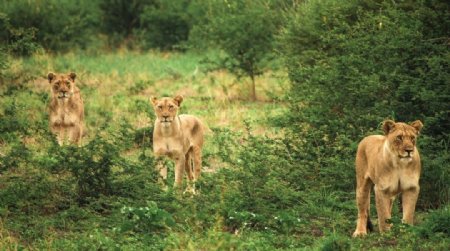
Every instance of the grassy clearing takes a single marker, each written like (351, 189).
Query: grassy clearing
(116, 82)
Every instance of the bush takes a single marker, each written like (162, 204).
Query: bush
(58, 25)
(349, 73)
(336, 243)
(120, 18)
(164, 25)
(437, 224)
(146, 219)
(14, 42)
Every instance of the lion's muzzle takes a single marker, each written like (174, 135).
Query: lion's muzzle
(64, 94)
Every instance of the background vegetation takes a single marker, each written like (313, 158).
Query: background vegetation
(288, 89)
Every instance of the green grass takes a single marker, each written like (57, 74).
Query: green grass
(254, 194)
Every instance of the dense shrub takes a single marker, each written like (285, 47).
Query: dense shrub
(349, 72)
(14, 41)
(437, 224)
(145, 24)
(121, 17)
(59, 25)
(165, 24)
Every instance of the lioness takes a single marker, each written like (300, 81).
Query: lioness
(66, 108)
(392, 163)
(180, 137)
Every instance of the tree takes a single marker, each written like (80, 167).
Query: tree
(245, 31)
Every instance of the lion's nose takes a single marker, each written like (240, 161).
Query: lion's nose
(409, 151)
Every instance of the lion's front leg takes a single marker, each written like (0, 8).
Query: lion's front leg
(197, 153)
(363, 204)
(161, 168)
(409, 199)
(383, 204)
(75, 134)
(179, 169)
(59, 131)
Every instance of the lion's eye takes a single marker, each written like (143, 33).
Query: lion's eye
(160, 107)
(170, 107)
(68, 84)
(399, 138)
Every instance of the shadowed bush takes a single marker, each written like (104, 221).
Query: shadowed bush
(349, 73)
(58, 25)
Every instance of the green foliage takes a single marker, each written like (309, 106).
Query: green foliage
(165, 24)
(139, 86)
(146, 24)
(14, 41)
(437, 224)
(336, 243)
(146, 219)
(349, 72)
(121, 18)
(56, 25)
(245, 30)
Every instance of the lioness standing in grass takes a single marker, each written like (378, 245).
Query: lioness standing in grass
(66, 108)
(392, 163)
(180, 137)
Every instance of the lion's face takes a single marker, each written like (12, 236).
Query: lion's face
(402, 138)
(62, 84)
(166, 109)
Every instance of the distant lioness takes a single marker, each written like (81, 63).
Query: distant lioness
(66, 108)
(392, 163)
(180, 137)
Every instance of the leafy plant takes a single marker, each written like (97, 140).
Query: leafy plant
(146, 219)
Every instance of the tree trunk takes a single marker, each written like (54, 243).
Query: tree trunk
(253, 88)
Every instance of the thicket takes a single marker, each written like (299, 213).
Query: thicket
(14, 42)
(67, 25)
(354, 64)
(57, 25)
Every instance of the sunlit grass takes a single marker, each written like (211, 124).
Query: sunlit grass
(114, 82)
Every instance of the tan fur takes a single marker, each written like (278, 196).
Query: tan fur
(180, 137)
(391, 163)
(66, 108)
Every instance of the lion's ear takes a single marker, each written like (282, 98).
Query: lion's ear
(388, 125)
(72, 76)
(153, 100)
(178, 99)
(417, 125)
(51, 76)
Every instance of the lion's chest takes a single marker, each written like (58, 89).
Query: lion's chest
(63, 115)
(173, 147)
(398, 179)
